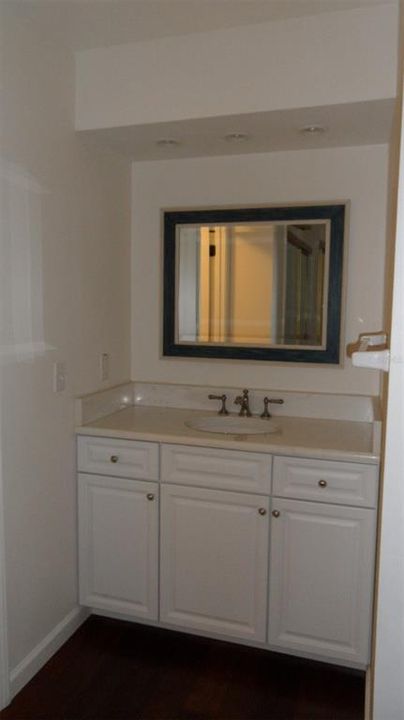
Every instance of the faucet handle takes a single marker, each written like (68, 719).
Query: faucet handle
(223, 410)
(266, 413)
(267, 400)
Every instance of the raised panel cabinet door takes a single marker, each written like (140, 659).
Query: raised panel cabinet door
(321, 579)
(118, 545)
(214, 559)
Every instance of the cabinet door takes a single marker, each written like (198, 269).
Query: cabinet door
(118, 545)
(321, 579)
(214, 558)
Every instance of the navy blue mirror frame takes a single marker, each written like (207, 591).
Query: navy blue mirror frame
(330, 354)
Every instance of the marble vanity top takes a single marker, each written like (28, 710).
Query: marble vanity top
(311, 437)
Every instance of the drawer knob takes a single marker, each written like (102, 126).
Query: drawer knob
(322, 483)
(150, 496)
(275, 513)
(114, 458)
(262, 511)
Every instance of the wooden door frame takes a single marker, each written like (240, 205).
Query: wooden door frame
(385, 694)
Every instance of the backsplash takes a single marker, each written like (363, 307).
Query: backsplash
(358, 408)
(296, 404)
(96, 405)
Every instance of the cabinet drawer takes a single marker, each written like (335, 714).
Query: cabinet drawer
(326, 481)
(215, 468)
(121, 458)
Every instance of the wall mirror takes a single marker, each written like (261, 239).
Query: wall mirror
(254, 283)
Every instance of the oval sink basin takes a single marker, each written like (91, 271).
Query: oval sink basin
(233, 425)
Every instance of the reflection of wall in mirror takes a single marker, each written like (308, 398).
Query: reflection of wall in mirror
(203, 284)
(304, 284)
(236, 266)
(188, 274)
(256, 284)
(251, 280)
(213, 284)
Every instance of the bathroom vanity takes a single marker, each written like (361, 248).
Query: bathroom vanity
(264, 539)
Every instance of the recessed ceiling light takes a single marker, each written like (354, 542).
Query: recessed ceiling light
(167, 142)
(312, 129)
(236, 137)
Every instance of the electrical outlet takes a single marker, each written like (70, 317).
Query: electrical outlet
(104, 366)
(59, 377)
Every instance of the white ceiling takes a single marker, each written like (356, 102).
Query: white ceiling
(81, 24)
(84, 24)
(362, 123)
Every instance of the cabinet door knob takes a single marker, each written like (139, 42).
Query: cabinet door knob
(275, 513)
(322, 483)
(114, 458)
(262, 511)
(150, 496)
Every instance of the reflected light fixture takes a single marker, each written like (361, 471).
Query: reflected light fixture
(167, 142)
(236, 137)
(312, 129)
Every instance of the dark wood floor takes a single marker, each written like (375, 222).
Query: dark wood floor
(112, 670)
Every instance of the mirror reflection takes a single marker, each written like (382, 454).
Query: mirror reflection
(257, 284)
(254, 283)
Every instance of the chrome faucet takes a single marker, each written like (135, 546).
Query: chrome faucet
(243, 401)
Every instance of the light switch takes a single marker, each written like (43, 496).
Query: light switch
(59, 377)
(104, 366)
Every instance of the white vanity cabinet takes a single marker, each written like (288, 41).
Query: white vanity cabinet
(273, 551)
(118, 526)
(322, 558)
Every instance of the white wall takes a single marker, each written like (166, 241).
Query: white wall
(64, 295)
(326, 59)
(64, 272)
(355, 174)
(388, 651)
(388, 666)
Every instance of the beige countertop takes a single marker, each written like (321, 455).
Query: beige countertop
(308, 437)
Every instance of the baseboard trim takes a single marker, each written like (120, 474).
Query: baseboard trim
(41, 653)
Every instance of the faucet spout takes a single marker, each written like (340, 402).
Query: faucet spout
(244, 402)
